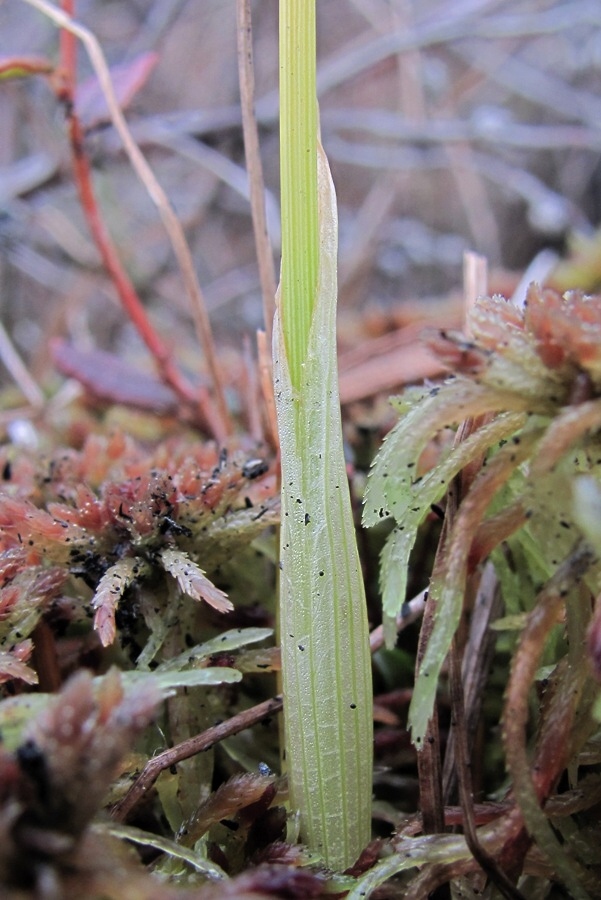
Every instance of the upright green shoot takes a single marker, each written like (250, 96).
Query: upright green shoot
(298, 174)
(324, 635)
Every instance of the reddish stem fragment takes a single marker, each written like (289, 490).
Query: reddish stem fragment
(21, 66)
(191, 747)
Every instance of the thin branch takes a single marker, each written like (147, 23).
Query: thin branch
(20, 66)
(19, 371)
(457, 24)
(429, 765)
(464, 776)
(197, 744)
(477, 658)
(266, 382)
(497, 130)
(410, 612)
(68, 51)
(250, 391)
(475, 283)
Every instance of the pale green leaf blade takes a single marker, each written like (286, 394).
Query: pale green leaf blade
(392, 480)
(415, 504)
(171, 848)
(168, 681)
(449, 604)
(226, 642)
(324, 635)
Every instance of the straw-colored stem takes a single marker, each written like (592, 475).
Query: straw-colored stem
(253, 162)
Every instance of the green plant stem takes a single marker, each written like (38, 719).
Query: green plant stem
(298, 165)
(326, 665)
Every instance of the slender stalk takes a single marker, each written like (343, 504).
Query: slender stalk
(20, 66)
(200, 743)
(246, 74)
(326, 667)
(298, 174)
(267, 277)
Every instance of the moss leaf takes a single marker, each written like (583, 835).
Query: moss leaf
(193, 581)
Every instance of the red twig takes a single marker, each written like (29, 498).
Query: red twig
(68, 52)
(25, 65)
(253, 163)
